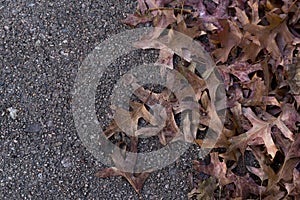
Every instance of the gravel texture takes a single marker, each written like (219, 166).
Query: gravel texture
(42, 45)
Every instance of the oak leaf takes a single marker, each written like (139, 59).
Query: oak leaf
(125, 166)
(260, 133)
(244, 185)
(291, 160)
(241, 70)
(229, 37)
(216, 168)
(276, 37)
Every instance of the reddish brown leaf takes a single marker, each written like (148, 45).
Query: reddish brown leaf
(239, 69)
(229, 37)
(290, 116)
(142, 6)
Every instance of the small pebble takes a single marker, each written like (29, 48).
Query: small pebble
(12, 112)
(66, 162)
(64, 53)
(40, 175)
(37, 43)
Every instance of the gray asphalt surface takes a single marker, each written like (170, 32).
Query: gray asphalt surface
(42, 45)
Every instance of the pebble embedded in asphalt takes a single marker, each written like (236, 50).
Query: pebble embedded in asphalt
(12, 112)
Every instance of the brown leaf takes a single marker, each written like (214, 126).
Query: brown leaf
(197, 83)
(257, 93)
(292, 158)
(260, 133)
(205, 189)
(254, 11)
(216, 168)
(258, 172)
(270, 100)
(190, 127)
(166, 58)
(265, 171)
(239, 69)
(290, 116)
(142, 6)
(125, 166)
(136, 181)
(276, 37)
(229, 37)
(157, 3)
(276, 193)
(294, 187)
(242, 16)
(128, 121)
(178, 43)
(111, 129)
(182, 28)
(297, 98)
(164, 19)
(135, 19)
(244, 185)
(171, 130)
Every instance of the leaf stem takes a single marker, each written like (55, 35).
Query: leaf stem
(165, 8)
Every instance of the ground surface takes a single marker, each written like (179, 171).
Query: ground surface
(42, 46)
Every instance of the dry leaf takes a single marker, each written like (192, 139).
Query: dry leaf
(229, 37)
(125, 166)
(135, 19)
(260, 133)
(205, 189)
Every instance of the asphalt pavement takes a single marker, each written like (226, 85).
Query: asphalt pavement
(42, 46)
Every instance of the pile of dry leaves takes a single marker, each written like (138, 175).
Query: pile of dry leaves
(256, 48)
